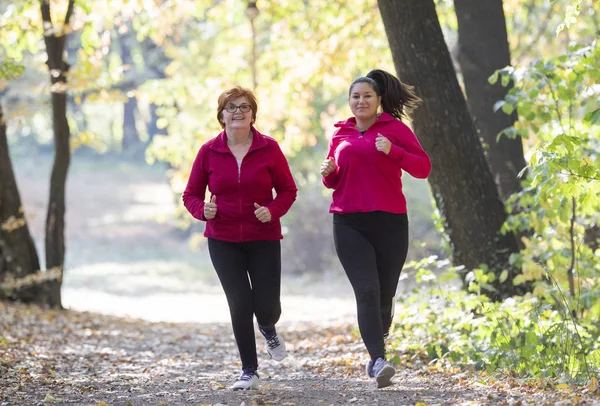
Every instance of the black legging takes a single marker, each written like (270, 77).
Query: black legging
(372, 248)
(250, 273)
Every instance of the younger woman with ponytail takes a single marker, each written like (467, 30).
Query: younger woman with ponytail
(367, 155)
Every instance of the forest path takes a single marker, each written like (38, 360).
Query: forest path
(149, 325)
(70, 357)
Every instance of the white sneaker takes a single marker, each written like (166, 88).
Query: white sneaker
(369, 369)
(248, 380)
(275, 344)
(383, 373)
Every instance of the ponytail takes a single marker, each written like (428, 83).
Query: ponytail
(397, 98)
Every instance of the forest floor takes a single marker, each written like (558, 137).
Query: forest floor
(147, 323)
(70, 357)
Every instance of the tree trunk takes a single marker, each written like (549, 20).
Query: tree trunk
(55, 220)
(461, 180)
(131, 140)
(152, 125)
(483, 49)
(18, 255)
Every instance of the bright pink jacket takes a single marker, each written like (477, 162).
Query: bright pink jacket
(263, 169)
(369, 180)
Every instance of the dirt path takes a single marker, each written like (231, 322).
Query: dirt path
(149, 324)
(84, 358)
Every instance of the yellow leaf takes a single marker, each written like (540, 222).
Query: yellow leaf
(562, 386)
(49, 398)
(586, 162)
(420, 404)
(503, 276)
(101, 404)
(593, 385)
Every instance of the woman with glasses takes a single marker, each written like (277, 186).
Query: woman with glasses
(367, 155)
(241, 167)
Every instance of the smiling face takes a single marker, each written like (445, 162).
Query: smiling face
(238, 119)
(364, 101)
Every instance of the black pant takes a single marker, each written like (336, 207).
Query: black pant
(250, 273)
(372, 248)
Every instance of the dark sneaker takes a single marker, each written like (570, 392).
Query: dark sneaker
(248, 380)
(369, 369)
(383, 373)
(274, 343)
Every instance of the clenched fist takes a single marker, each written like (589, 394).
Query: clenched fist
(327, 167)
(383, 144)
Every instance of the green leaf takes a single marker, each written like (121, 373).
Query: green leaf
(493, 79)
(592, 117)
(508, 108)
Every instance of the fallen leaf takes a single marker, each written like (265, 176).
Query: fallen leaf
(593, 385)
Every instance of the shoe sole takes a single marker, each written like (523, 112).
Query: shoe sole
(278, 358)
(384, 377)
(251, 388)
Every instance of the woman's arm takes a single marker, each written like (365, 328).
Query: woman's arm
(330, 181)
(284, 185)
(410, 157)
(194, 193)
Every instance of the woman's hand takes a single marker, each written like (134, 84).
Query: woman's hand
(262, 213)
(383, 144)
(327, 167)
(210, 209)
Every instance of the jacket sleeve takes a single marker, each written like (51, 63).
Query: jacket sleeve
(330, 181)
(410, 156)
(284, 185)
(195, 190)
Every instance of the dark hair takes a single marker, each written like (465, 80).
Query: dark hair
(231, 94)
(397, 98)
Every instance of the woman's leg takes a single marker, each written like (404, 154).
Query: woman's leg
(264, 269)
(389, 235)
(231, 263)
(357, 256)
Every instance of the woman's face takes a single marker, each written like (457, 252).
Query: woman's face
(237, 119)
(364, 101)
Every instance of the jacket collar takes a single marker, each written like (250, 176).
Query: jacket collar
(351, 122)
(220, 143)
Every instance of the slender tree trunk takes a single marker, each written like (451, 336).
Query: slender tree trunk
(18, 255)
(483, 49)
(156, 62)
(152, 126)
(55, 220)
(131, 139)
(461, 181)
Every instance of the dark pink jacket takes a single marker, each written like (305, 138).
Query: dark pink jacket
(263, 169)
(369, 180)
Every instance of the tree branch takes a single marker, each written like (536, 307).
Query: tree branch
(46, 17)
(69, 12)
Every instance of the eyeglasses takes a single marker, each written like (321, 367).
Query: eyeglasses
(232, 108)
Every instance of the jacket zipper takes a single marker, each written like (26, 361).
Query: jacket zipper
(240, 197)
